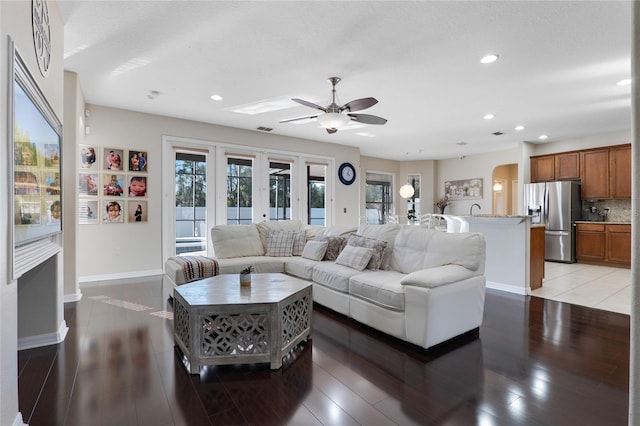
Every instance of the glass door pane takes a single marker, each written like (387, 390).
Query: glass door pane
(239, 190)
(191, 205)
(279, 191)
(316, 189)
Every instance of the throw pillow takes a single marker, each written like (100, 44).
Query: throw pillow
(354, 257)
(336, 244)
(377, 246)
(315, 250)
(298, 242)
(280, 243)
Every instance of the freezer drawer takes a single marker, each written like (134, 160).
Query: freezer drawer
(560, 246)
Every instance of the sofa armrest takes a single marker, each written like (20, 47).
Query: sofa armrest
(435, 277)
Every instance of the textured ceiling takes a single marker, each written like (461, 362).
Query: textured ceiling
(557, 72)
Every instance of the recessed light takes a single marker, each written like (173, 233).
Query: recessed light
(216, 97)
(489, 58)
(624, 82)
(489, 116)
(518, 128)
(543, 137)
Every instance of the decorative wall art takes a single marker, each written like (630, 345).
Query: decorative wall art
(466, 189)
(103, 192)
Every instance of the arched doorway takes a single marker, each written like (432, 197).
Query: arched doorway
(504, 190)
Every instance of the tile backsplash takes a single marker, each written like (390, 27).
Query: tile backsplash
(619, 210)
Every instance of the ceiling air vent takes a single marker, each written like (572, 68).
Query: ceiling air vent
(265, 129)
(497, 133)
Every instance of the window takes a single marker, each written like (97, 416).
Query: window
(279, 191)
(191, 203)
(239, 190)
(316, 188)
(413, 203)
(378, 202)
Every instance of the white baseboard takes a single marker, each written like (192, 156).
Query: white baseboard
(96, 279)
(508, 288)
(75, 297)
(44, 339)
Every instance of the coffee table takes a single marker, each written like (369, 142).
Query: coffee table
(217, 321)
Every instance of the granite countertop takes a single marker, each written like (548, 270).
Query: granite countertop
(606, 222)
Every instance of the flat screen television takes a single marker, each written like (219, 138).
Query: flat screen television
(36, 165)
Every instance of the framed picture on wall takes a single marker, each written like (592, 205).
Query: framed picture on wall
(112, 159)
(88, 157)
(88, 211)
(137, 186)
(112, 211)
(138, 160)
(137, 211)
(113, 185)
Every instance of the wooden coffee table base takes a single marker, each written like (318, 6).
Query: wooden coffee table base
(216, 321)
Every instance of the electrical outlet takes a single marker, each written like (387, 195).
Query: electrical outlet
(345, 209)
(117, 251)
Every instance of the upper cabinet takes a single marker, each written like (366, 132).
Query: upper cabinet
(605, 172)
(567, 166)
(620, 169)
(564, 166)
(543, 168)
(595, 174)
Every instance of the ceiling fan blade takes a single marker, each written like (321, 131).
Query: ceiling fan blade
(309, 104)
(359, 104)
(367, 119)
(331, 131)
(298, 118)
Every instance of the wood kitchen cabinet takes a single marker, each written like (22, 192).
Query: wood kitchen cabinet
(604, 244)
(564, 166)
(543, 168)
(595, 174)
(567, 166)
(620, 168)
(536, 257)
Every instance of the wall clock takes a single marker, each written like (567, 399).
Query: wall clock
(347, 173)
(41, 34)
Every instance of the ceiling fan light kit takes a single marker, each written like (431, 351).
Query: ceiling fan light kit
(333, 120)
(335, 116)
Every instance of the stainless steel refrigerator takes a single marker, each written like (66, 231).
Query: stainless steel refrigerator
(557, 206)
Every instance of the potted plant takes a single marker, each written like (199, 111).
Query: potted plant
(245, 276)
(411, 215)
(442, 203)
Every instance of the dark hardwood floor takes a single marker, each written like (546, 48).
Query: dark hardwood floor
(535, 362)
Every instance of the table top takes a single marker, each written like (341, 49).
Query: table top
(226, 289)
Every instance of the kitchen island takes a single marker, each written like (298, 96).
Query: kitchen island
(510, 265)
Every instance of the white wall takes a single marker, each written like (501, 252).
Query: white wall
(108, 251)
(596, 141)
(15, 21)
(470, 167)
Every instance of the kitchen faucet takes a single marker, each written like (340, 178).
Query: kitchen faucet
(472, 206)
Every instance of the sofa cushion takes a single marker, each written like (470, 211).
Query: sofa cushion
(435, 277)
(334, 276)
(315, 250)
(335, 246)
(260, 264)
(299, 242)
(230, 241)
(277, 225)
(280, 243)
(355, 257)
(377, 246)
(419, 248)
(300, 267)
(385, 232)
(382, 288)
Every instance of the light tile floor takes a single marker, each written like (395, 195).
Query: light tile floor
(599, 287)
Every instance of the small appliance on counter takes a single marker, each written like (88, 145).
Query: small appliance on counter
(592, 214)
(557, 206)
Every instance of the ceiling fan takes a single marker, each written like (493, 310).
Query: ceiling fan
(336, 116)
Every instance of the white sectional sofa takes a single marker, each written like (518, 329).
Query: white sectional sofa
(419, 285)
